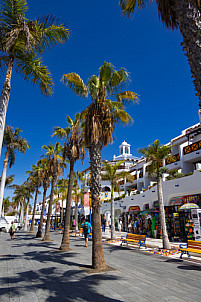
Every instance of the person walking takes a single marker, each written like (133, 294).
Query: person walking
(12, 231)
(103, 223)
(86, 230)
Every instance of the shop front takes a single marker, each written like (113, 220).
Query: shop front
(179, 222)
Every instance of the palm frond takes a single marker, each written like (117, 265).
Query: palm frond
(119, 77)
(62, 133)
(70, 121)
(32, 69)
(128, 6)
(74, 81)
(105, 72)
(93, 86)
(50, 31)
(123, 116)
(127, 96)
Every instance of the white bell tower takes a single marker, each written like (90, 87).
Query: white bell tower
(124, 149)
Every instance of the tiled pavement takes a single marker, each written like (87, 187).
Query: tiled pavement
(32, 270)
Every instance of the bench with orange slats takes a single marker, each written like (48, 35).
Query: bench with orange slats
(138, 239)
(191, 246)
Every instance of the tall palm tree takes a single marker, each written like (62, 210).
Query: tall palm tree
(22, 42)
(44, 175)
(73, 151)
(56, 167)
(155, 154)
(182, 14)
(27, 189)
(112, 173)
(12, 142)
(106, 108)
(34, 176)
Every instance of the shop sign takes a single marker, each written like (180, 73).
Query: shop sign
(176, 201)
(134, 208)
(176, 214)
(191, 198)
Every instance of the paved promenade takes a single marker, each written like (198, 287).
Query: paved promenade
(32, 270)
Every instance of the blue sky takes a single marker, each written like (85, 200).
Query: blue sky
(159, 73)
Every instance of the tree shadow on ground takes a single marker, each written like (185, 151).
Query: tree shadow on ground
(51, 284)
(189, 267)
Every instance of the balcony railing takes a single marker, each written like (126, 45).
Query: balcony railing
(174, 159)
(191, 148)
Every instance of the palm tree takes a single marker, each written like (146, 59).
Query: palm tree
(73, 150)
(111, 173)
(6, 204)
(44, 176)
(78, 195)
(62, 185)
(56, 167)
(18, 201)
(9, 180)
(155, 154)
(27, 189)
(37, 182)
(22, 42)
(184, 14)
(22, 193)
(12, 142)
(106, 108)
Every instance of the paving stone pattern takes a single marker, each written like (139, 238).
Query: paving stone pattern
(32, 270)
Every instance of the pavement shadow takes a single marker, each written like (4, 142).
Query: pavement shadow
(51, 256)
(71, 285)
(189, 267)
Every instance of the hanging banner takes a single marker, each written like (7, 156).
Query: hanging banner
(86, 199)
(58, 208)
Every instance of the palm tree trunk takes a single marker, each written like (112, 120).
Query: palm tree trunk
(166, 243)
(189, 20)
(76, 214)
(65, 244)
(26, 218)
(5, 94)
(98, 260)
(21, 214)
(112, 213)
(33, 214)
(3, 179)
(47, 228)
(40, 227)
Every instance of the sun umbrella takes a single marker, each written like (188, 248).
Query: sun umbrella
(145, 213)
(189, 206)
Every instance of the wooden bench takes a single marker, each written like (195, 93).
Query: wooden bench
(190, 246)
(139, 239)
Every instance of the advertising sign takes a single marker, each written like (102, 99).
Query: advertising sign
(196, 217)
(191, 198)
(175, 201)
